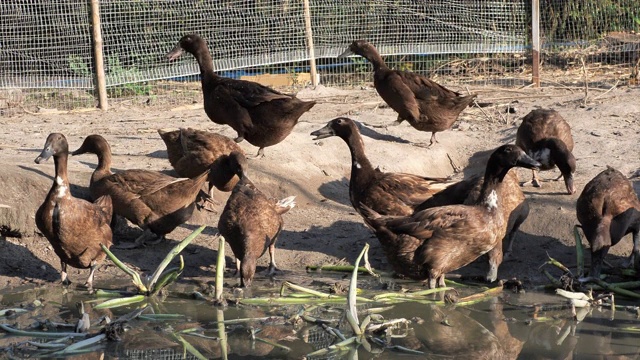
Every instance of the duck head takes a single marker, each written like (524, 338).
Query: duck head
(342, 127)
(93, 144)
(508, 156)
(191, 43)
(237, 163)
(359, 47)
(56, 144)
(247, 271)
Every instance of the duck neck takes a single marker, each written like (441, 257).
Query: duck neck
(104, 165)
(376, 60)
(361, 168)
(61, 182)
(488, 192)
(205, 62)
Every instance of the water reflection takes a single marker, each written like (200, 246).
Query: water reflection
(511, 326)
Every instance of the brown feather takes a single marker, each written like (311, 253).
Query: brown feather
(149, 199)
(608, 209)
(259, 114)
(250, 221)
(192, 152)
(425, 104)
(546, 137)
(385, 193)
(515, 210)
(434, 241)
(75, 227)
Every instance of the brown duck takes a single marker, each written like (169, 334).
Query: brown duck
(546, 137)
(432, 242)
(156, 202)
(515, 209)
(608, 209)
(259, 114)
(192, 152)
(251, 222)
(425, 104)
(385, 193)
(75, 227)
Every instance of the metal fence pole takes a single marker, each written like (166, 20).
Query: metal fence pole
(535, 34)
(309, 35)
(101, 84)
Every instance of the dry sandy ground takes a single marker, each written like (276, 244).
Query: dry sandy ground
(323, 228)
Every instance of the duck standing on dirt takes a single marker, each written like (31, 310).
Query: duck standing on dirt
(192, 152)
(546, 137)
(251, 222)
(515, 209)
(425, 104)
(259, 114)
(608, 209)
(432, 242)
(75, 227)
(385, 193)
(156, 202)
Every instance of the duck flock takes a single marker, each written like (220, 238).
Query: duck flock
(426, 226)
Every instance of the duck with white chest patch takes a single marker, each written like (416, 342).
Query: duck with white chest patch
(75, 227)
(546, 137)
(434, 241)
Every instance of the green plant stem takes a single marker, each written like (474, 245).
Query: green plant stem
(352, 311)
(338, 268)
(220, 269)
(134, 275)
(471, 299)
(120, 302)
(81, 344)
(617, 290)
(222, 334)
(172, 254)
(39, 334)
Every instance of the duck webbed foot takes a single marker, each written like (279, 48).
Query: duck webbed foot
(140, 241)
(433, 139)
(64, 277)
(204, 201)
(89, 282)
(272, 260)
(260, 154)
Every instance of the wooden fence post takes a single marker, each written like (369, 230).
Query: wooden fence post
(309, 35)
(101, 84)
(535, 34)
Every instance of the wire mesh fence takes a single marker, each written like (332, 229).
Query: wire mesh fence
(46, 51)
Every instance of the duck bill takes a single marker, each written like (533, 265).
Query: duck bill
(325, 132)
(175, 53)
(568, 181)
(46, 153)
(346, 53)
(79, 151)
(527, 162)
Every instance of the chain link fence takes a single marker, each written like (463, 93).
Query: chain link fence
(46, 51)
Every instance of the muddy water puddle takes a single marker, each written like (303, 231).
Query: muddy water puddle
(181, 324)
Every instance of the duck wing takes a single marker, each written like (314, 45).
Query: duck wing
(249, 94)
(394, 88)
(81, 226)
(403, 192)
(131, 184)
(453, 236)
(429, 93)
